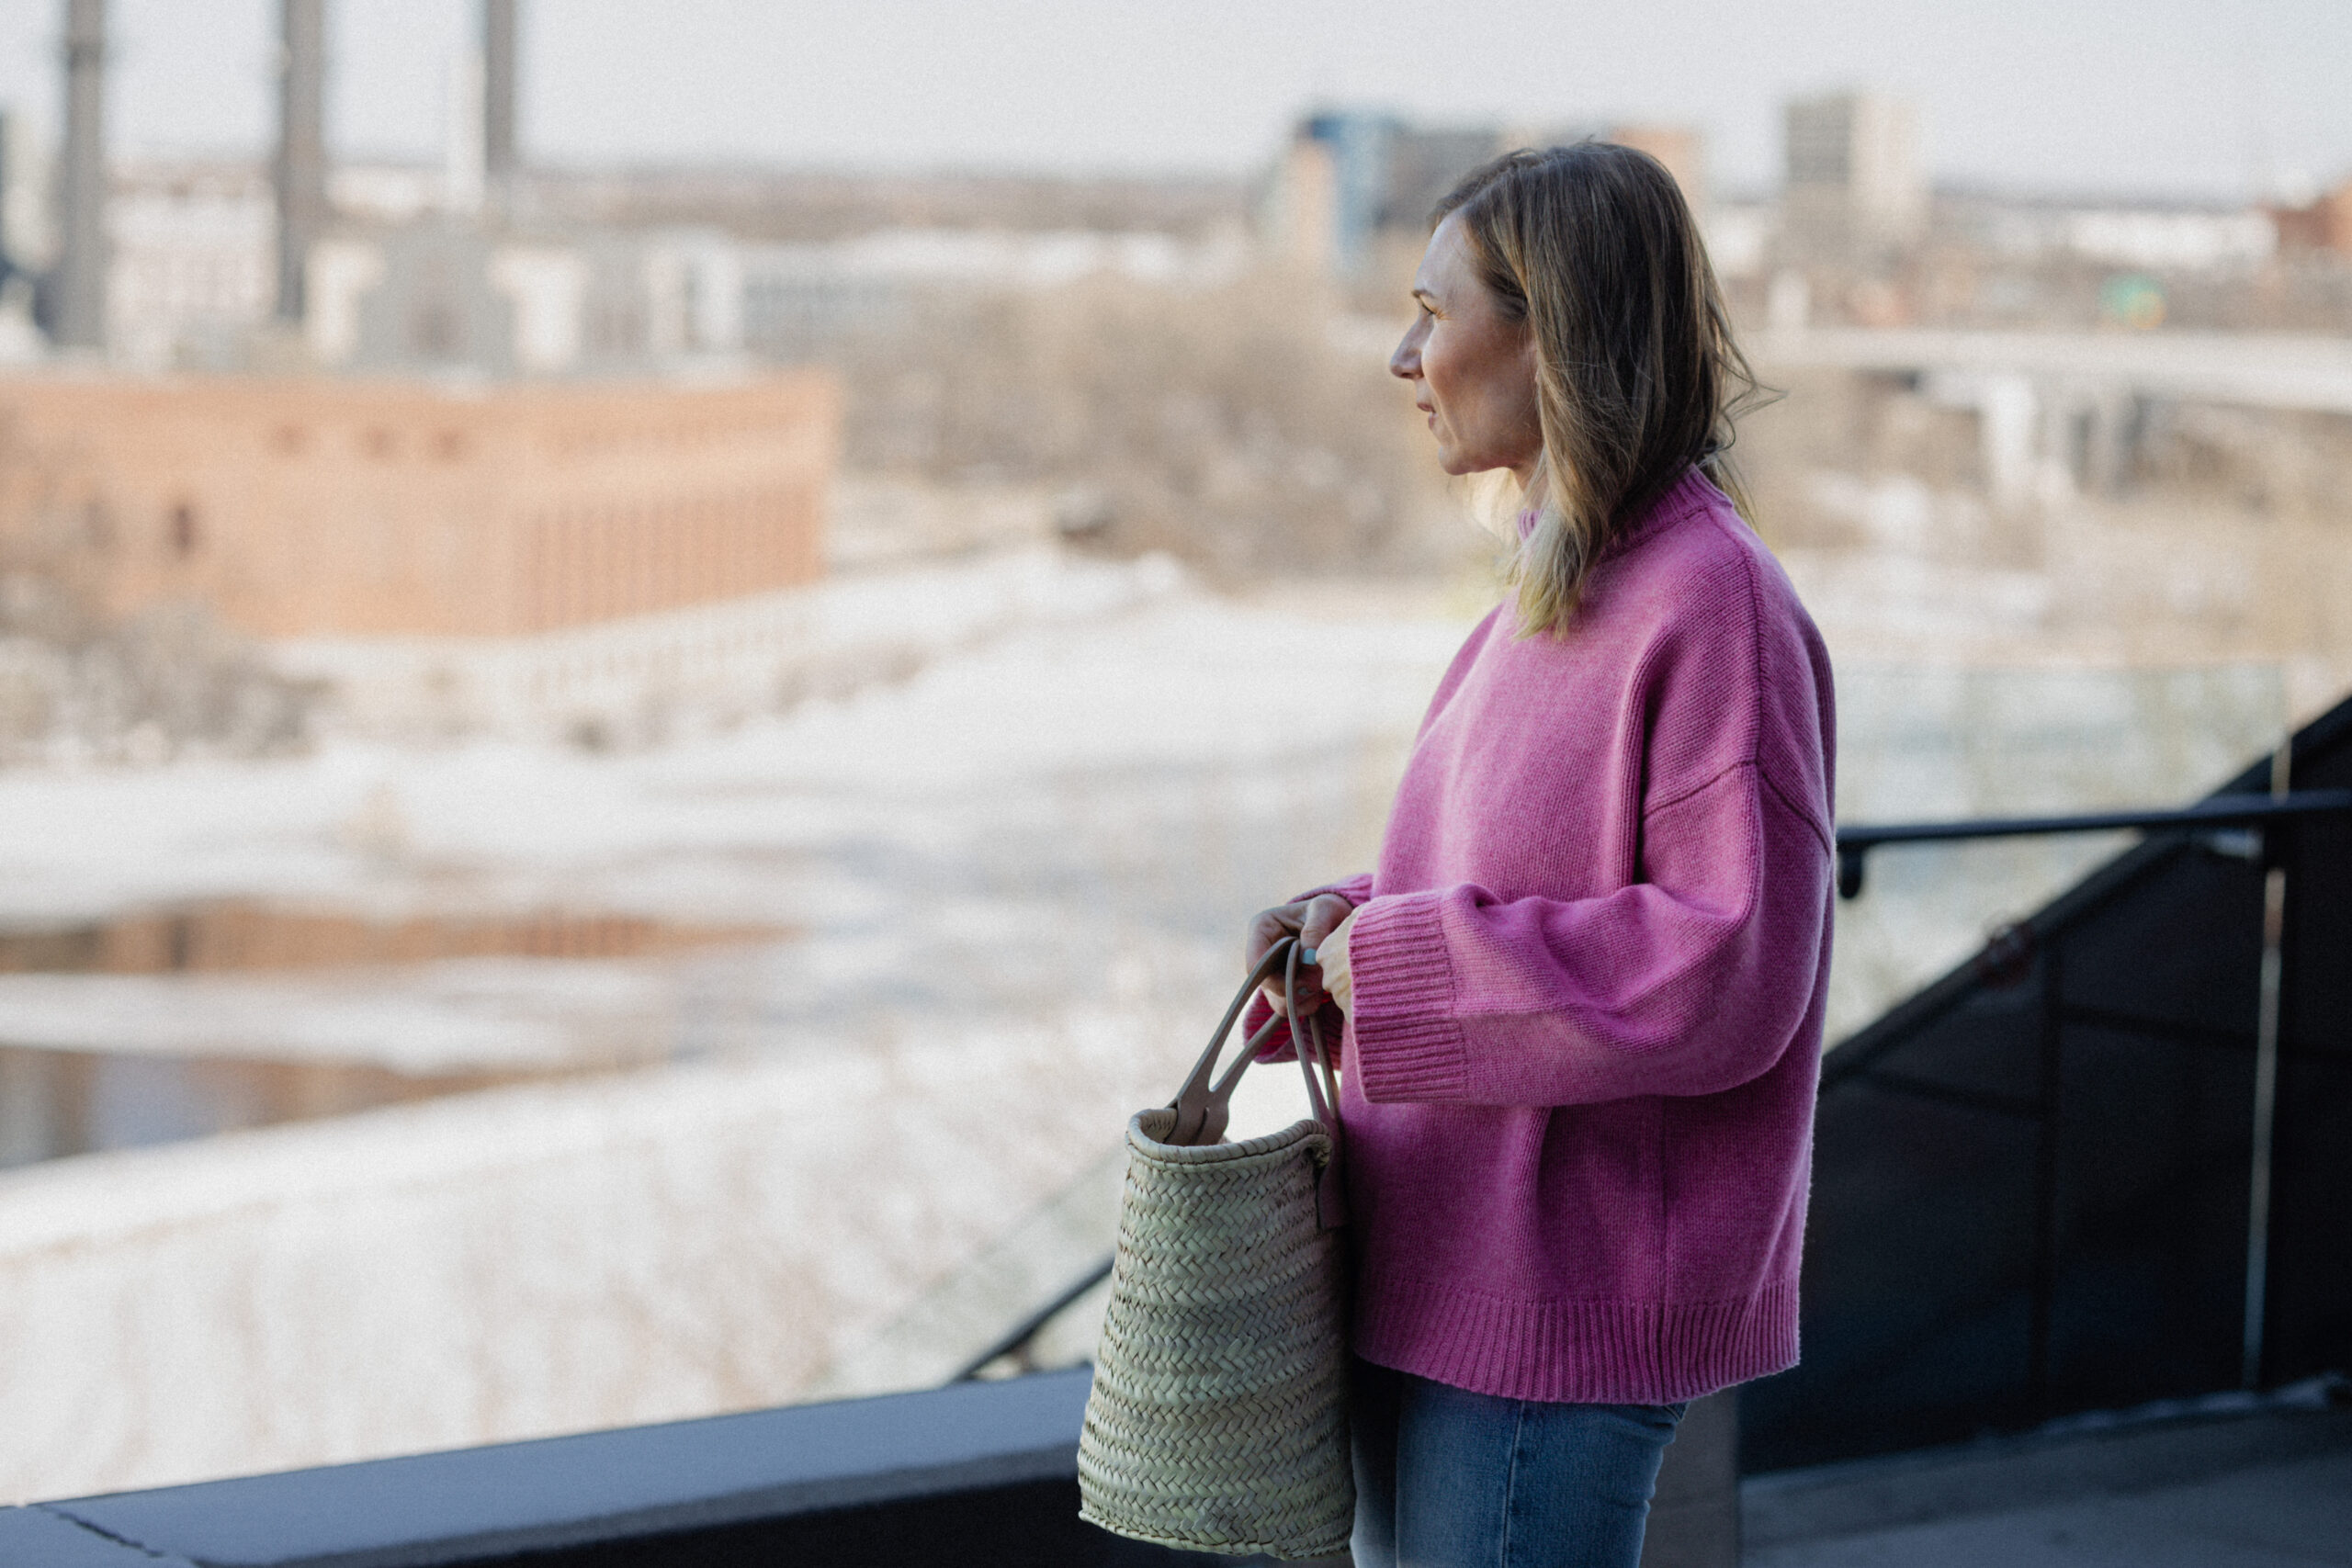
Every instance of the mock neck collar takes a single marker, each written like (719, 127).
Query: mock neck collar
(1692, 493)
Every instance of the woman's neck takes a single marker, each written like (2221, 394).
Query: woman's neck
(1530, 486)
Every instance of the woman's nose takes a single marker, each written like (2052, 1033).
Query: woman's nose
(1406, 362)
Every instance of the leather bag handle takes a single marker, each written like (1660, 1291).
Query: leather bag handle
(1205, 1104)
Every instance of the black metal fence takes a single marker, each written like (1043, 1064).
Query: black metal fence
(2109, 1160)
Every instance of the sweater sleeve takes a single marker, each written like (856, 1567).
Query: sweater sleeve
(1354, 889)
(1690, 981)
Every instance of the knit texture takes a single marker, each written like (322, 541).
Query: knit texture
(1590, 974)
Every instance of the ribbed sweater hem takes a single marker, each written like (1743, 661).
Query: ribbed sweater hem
(1575, 1351)
(1407, 1042)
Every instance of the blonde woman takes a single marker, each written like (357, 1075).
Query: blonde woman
(1582, 991)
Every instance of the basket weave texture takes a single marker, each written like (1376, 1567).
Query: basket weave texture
(1218, 1416)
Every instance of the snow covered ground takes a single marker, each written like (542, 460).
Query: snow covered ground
(1066, 811)
(1013, 880)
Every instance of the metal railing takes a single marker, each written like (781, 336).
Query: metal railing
(2214, 812)
(1015, 1341)
(2261, 813)
(2011, 951)
(2027, 1194)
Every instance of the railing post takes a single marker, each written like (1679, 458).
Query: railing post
(2276, 844)
(2045, 1179)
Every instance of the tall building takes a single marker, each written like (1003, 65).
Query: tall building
(2325, 224)
(1854, 191)
(1352, 175)
(1680, 148)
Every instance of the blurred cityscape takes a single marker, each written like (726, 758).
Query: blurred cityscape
(613, 779)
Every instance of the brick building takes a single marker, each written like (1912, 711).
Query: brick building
(2324, 223)
(302, 508)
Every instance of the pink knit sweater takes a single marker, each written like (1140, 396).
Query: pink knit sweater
(1588, 979)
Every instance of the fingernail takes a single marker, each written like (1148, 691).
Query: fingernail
(1307, 956)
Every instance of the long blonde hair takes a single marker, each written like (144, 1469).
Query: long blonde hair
(1636, 376)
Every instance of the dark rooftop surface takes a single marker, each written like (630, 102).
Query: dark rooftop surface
(2265, 1490)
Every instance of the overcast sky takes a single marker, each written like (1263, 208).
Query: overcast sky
(2183, 96)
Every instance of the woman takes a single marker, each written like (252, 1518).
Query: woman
(1582, 992)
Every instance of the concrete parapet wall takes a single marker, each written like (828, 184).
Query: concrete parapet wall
(644, 1246)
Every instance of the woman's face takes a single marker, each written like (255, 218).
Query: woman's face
(1471, 366)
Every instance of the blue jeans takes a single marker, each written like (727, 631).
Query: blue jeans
(1450, 1478)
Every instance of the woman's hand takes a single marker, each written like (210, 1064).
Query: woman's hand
(1332, 963)
(1321, 924)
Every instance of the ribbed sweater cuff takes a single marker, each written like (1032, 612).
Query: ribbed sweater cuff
(1278, 1046)
(1408, 1044)
(1354, 889)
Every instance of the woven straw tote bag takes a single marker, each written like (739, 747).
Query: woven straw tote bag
(1218, 1416)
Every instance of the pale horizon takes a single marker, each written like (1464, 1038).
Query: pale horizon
(2164, 99)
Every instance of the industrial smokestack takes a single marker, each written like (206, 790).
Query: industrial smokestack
(302, 171)
(78, 316)
(462, 177)
(499, 157)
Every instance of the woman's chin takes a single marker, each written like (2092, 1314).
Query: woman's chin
(1462, 464)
